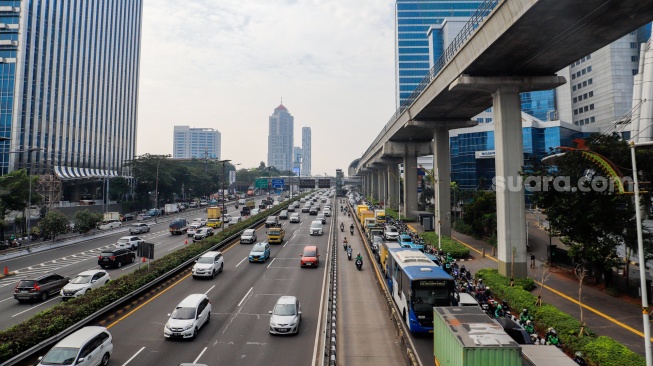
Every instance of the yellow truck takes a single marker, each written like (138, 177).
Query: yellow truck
(360, 208)
(214, 217)
(379, 215)
(276, 234)
(365, 214)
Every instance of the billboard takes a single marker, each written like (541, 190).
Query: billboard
(232, 177)
(277, 183)
(295, 171)
(261, 183)
(324, 183)
(306, 183)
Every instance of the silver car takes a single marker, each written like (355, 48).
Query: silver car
(139, 228)
(286, 316)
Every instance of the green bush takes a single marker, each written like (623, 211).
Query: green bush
(449, 245)
(395, 216)
(50, 322)
(597, 350)
(463, 228)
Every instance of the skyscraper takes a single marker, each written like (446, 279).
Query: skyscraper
(280, 139)
(424, 30)
(196, 143)
(306, 151)
(69, 72)
(296, 160)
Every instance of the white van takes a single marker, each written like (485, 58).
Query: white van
(242, 202)
(89, 346)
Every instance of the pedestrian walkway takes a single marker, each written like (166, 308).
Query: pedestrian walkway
(615, 317)
(365, 333)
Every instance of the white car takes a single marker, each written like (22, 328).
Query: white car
(109, 224)
(208, 265)
(129, 242)
(294, 218)
(248, 236)
(188, 317)
(139, 228)
(87, 346)
(84, 282)
(192, 229)
(286, 316)
(316, 228)
(391, 233)
(201, 222)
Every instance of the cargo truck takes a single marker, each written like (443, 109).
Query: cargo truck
(365, 214)
(178, 226)
(379, 215)
(214, 217)
(171, 208)
(466, 336)
(360, 208)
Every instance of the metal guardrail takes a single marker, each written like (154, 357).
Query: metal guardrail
(468, 29)
(31, 352)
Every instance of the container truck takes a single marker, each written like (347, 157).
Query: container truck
(379, 215)
(171, 208)
(214, 217)
(466, 336)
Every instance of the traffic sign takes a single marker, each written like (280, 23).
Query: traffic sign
(324, 183)
(277, 183)
(261, 183)
(306, 183)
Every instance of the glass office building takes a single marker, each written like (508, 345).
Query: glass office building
(280, 139)
(306, 152)
(198, 143)
(424, 29)
(69, 86)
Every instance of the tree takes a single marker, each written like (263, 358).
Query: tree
(119, 186)
(581, 272)
(85, 220)
(14, 193)
(54, 223)
(481, 213)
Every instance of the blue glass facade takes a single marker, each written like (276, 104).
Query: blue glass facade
(77, 67)
(472, 172)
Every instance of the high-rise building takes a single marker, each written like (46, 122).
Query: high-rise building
(306, 151)
(424, 30)
(599, 87)
(296, 160)
(69, 72)
(197, 143)
(280, 139)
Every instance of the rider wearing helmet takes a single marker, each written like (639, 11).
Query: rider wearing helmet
(530, 329)
(359, 257)
(499, 312)
(524, 316)
(552, 338)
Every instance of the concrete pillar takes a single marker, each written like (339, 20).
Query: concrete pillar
(442, 171)
(382, 180)
(410, 184)
(393, 186)
(511, 214)
(374, 192)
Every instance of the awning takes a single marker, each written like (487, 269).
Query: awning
(70, 173)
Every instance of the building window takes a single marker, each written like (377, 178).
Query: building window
(634, 58)
(575, 99)
(585, 83)
(589, 68)
(592, 106)
(583, 71)
(633, 44)
(573, 88)
(588, 56)
(634, 71)
(591, 94)
(585, 108)
(589, 82)
(592, 119)
(573, 76)
(575, 112)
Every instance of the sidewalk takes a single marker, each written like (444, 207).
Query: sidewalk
(365, 333)
(615, 317)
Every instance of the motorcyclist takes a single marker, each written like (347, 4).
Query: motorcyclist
(498, 313)
(342, 226)
(552, 337)
(530, 329)
(578, 358)
(349, 252)
(359, 257)
(524, 316)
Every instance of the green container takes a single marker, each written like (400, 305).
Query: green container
(466, 336)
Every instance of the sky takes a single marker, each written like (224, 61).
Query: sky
(227, 64)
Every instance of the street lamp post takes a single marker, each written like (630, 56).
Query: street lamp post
(224, 162)
(640, 253)
(156, 185)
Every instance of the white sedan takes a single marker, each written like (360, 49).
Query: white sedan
(85, 282)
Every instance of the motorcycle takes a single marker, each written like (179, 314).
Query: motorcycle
(342, 228)
(351, 230)
(344, 244)
(359, 264)
(349, 254)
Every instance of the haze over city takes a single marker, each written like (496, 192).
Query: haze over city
(228, 64)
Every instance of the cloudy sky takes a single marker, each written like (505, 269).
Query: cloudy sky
(226, 64)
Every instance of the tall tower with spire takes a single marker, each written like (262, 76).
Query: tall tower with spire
(280, 139)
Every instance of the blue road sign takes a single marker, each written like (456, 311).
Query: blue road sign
(277, 183)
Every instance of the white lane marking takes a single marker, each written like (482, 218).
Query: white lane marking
(201, 353)
(9, 298)
(35, 306)
(272, 262)
(245, 297)
(207, 291)
(241, 262)
(319, 317)
(173, 248)
(134, 356)
(126, 268)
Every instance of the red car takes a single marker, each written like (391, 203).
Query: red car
(310, 257)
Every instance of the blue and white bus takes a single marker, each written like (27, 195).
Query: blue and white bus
(417, 285)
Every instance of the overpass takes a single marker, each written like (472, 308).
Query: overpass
(507, 47)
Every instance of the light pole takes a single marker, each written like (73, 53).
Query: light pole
(156, 186)
(224, 162)
(269, 185)
(640, 253)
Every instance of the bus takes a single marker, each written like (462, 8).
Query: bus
(417, 285)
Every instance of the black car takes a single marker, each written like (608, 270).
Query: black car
(128, 217)
(39, 287)
(313, 211)
(115, 258)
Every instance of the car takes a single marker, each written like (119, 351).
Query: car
(208, 265)
(313, 210)
(283, 215)
(322, 218)
(109, 224)
(391, 233)
(202, 233)
(294, 218)
(204, 203)
(286, 316)
(260, 252)
(405, 241)
(39, 287)
(84, 282)
(192, 229)
(193, 205)
(306, 209)
(139, 228)
(291, 208)
(129, 242)
(296, 204)
(248, 236)
(309, 257)
(188, 317)
(327, 212)
(316, 228)
(254, 211)
(86, 346)
(115, 257)
(200, 221)
(127, 217)
(271, 221)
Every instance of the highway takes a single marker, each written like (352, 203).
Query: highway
(72, 259)
(241, 297)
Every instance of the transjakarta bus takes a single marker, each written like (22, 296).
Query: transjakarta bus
(417, 285)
